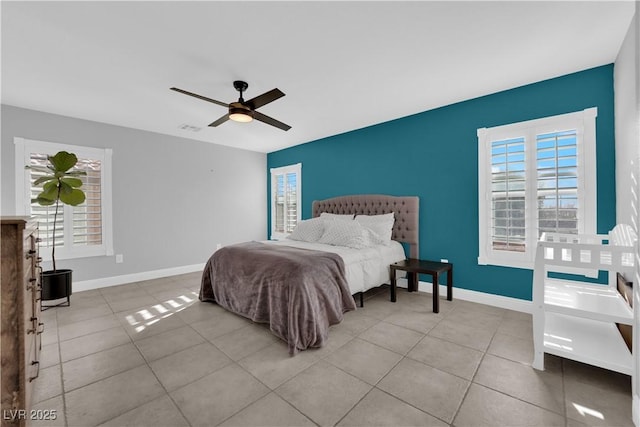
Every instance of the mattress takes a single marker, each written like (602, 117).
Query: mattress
(365, 268)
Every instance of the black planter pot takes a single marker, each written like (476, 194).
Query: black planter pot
(56, 285)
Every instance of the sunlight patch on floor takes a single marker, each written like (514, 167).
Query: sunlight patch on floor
(147, 317)
(584, 411)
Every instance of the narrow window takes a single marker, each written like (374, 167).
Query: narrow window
(285, 200)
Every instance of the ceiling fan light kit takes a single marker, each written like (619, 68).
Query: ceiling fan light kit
(240, 113)
(244, 111)
(239, 116)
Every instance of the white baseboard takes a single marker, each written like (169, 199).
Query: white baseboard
(86, 285)
(458, 293)
(509, 303)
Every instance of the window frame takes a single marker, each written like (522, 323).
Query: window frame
(284, 170)
(584, 122)
(23, 149)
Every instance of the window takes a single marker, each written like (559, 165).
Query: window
(83, 230)
(286, 184)
(534, 177)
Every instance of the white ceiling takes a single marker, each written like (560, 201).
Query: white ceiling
(342, 65)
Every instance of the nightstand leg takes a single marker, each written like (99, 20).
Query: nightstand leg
(393, 285)
(412, 282)
(436, 294)
(450, 285)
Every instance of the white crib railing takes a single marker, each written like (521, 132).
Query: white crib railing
(575, 318)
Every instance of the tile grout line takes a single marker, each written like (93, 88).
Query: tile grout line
(564, 394)
(64, 394)
(471, 381)
(131, 341)
(404, 356)
(562, 413)
(270, 390)
(94, 352)
(156, 377)
(198, 379)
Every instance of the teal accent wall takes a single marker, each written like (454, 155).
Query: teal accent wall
(434, 155)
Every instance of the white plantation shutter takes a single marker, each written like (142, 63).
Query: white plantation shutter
(87, 217)
(280, 203)
(508, 194)
(83, 230)
(291, 201)
(45, 214)
(534, 177)
(557, 168)
(285, 200)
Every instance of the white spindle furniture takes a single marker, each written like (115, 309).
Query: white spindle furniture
(577, 319)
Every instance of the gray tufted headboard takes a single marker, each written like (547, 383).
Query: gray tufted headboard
(405, 210)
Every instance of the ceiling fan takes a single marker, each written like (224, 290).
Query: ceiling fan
(244, 111)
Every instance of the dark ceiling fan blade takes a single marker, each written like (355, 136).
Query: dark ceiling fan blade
(264, 99)
(270, 121)
(204, 98)
(220, 121)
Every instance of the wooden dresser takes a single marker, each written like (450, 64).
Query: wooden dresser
(21, 326)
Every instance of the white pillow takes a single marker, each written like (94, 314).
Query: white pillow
(373, 238)
(330, 216)
(309, 230)
(346, 233)
(381, 225)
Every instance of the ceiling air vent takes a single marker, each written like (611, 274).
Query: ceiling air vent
(189, 128)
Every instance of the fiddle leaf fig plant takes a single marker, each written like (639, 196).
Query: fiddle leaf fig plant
(59, 185)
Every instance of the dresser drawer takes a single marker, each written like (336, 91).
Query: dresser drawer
(21, 325)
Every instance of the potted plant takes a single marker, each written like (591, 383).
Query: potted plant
(60, 184)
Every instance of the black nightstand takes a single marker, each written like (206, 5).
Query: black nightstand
(414, 267)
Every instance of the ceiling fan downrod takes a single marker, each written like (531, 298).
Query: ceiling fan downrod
(240, 87)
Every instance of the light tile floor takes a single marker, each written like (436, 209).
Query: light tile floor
(151, 354)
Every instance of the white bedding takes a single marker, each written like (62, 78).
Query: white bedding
(365, 268)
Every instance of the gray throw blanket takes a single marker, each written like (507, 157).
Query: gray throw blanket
(298, 292)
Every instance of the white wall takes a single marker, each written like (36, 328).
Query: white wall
(174, 199)
(636, 296)
(626, 124)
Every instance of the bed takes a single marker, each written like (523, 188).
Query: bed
(301, 288)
